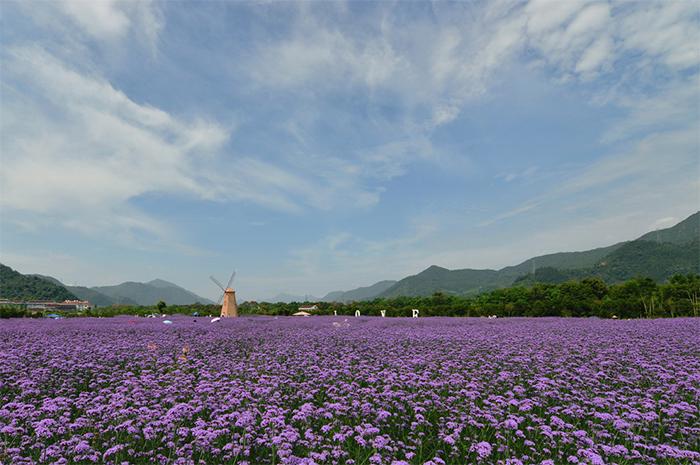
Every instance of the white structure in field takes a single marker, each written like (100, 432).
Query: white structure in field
(383, 312)
(308, 308)
(415, 312)
(66, 305)
(357, 313)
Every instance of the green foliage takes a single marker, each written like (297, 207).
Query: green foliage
(16, 286)
(635, 298)
(591, 296)
(658, 261)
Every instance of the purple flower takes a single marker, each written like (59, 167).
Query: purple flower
(381, 391)
(483, 449)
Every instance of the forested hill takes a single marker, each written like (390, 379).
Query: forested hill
(361, 293)
(149, 293)
(657, 255)
(684, 232)
(16, 286)
(655, 260)
(38, 287)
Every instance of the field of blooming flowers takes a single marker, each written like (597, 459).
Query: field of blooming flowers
(327, 390)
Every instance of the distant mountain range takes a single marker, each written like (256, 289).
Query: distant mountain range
(658, 255)
(14, 285)
(361, 293)
(147, 293)
(289, 298)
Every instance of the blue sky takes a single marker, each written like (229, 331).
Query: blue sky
(324, 146)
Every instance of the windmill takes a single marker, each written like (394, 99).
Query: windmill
(229, 307)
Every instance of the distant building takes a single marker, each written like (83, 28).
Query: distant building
(66, 305)
(79, 304)
(308, 308)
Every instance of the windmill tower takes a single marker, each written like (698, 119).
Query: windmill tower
(229, 307)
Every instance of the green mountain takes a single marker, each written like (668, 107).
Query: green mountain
(686, 231)
(657, 255)
(561, 260)
(469, 281)
(16, 286)
(656, 260)
(98, 298)
(361, 293)
(150, 293)
(85, 293)
(131, 293)
(334, 296)
(438, 279)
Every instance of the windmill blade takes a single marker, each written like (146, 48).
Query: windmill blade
(230, 280)
(217, 283)
(220, 299)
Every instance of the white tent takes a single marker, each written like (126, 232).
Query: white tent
(302, 314)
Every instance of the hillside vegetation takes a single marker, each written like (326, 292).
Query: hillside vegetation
(635, 298)
(657, 255)
(636, 258)
(16, 286)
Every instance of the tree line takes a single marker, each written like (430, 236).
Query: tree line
(635, 298)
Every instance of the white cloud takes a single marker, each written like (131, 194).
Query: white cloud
(99, 129)
(673, 106)
(313, 51)
(433, 68)
(112, 20)
(667, 31)
(572, 37)
(657, 173)
(546, 15)
(424, 65)
(531, 205)
(77, 140)
(583, 38)
(527, 173)
(102, 20)
(343, 260)
(595, 56)
(654, 160)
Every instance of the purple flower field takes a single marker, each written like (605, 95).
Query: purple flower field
(362, 391)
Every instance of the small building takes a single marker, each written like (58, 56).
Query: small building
(301, 314)
(79, 304)
(308, 308)
(66, 305)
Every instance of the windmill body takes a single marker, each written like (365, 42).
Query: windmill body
(229, 307)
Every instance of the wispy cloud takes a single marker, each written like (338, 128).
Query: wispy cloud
(106, 21)
(78, 141)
